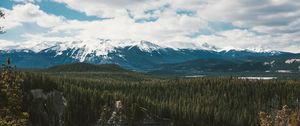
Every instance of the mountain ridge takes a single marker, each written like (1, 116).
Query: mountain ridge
(272, 64)
(134, 55)
(104, 45)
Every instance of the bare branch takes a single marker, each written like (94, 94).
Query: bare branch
(1, 27)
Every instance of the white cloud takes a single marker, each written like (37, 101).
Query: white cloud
(260, 15)
(4, 44)
(273, 24)
(112, 8)
(29, 12)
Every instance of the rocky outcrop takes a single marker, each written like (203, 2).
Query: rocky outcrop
(46, 109)
(130, 115)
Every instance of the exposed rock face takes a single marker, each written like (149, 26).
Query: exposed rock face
(118, 114)
(46, 109)
(111, 115)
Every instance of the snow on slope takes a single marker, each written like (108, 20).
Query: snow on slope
(146, 46)
(102, 47)
(99, 47)
(290, 61)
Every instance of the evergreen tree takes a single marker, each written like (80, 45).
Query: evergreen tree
(11, 97)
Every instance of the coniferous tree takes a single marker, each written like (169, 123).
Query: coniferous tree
(11, 97)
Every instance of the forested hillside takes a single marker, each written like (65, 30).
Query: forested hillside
(149, 100)
(284, 63)
(86, 67)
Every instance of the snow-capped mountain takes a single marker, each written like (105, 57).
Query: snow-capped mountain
(138, 55)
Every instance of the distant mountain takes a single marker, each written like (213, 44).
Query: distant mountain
(213, 65)
(134, 55)
(284, 63)
(86, 67)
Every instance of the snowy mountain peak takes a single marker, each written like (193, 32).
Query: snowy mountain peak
(138, 55)
(102, 47)
(147, 46)
(81, 49)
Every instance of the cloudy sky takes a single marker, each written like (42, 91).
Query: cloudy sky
(267, 24)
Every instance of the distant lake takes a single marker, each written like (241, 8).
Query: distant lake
(195, 76)
(257, 78)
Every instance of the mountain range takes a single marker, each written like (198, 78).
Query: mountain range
(147, 56)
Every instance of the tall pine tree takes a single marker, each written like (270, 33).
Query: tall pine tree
(11, 97)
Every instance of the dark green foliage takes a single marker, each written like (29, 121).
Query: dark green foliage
(282, 117)
(240, 64)
(11, 96)
(86, 67)
(196, 101)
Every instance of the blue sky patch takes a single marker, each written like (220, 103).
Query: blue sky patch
(6, 4)
(185, 12)
(60, 9)
(212, 28)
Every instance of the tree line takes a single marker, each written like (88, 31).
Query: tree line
(181, 101)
